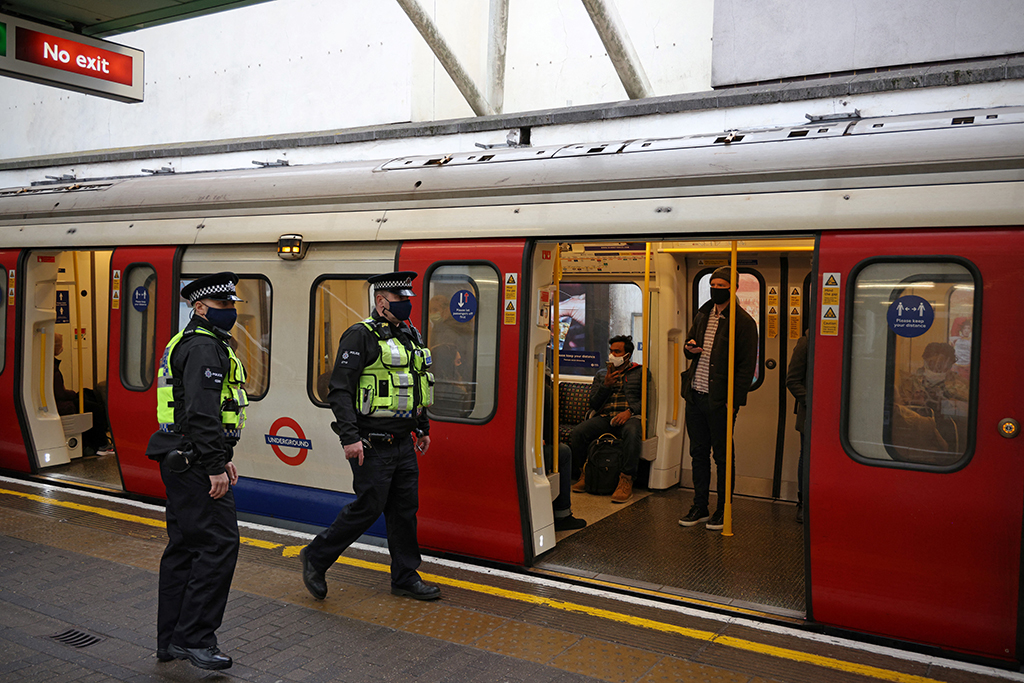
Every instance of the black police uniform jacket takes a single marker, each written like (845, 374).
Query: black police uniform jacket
(718, 371)
(198, 399)
(358, 349)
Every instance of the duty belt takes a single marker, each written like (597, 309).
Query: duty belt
(379, 436)
(175, 429)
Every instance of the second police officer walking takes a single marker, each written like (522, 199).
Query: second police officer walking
(201, 410)
(379, 390)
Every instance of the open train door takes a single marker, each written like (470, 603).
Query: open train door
(143, 304)
(468, 310)
(13, 454)
(915, 504)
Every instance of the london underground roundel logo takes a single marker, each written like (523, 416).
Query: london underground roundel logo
(276, 440)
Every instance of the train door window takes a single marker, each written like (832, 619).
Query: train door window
(4, 304)
(750, 292)
(251, 333)
(337, 305)
(589, 315)
(138, 353)
(911, 364)
(464, 310)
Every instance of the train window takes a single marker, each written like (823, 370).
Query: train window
(750, 292)
(909, 398)
(138, 351)
(251, 333)
(464, 309)
(589, 315)
(337, 305)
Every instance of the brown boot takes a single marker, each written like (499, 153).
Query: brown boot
(581, 485)
(624, 491)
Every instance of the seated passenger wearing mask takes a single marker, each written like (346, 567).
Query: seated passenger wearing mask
(615, 401)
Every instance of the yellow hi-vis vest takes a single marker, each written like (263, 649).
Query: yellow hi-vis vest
(397, 384)
(233, 399)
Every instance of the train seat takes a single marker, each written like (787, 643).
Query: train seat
(573, 406)
(74, 426)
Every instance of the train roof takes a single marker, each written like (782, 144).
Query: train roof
(843, 153)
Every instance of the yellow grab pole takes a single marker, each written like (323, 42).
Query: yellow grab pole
(555, 335)
(678, 379)
(538, 446)
(733, 282)
(80, 334)
(42, 370)
(645, 334)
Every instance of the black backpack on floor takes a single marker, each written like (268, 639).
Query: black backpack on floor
(604, 462)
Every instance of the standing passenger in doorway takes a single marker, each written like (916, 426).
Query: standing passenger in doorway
(379, 391)
(796, 382)
(705, 387)
(201, 410)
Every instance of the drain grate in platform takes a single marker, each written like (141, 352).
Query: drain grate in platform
(76, 638)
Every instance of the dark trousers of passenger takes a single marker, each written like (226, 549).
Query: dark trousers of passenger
(387, 482)
(705, 427)
(587, 431)
(563, 503)
(197, 566)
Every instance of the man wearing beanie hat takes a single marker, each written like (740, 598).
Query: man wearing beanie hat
(705, 387)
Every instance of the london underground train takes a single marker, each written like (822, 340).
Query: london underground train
(895, 243)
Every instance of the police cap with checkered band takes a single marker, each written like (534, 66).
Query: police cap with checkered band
(219, 286)
(399, 282)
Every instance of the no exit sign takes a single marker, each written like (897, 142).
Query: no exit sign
(37, 53)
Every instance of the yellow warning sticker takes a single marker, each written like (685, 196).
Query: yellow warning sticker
(773, 296)
(794, 326)
(829, 321)
(773, 323)
(510, 312)
(511, 285)
(794, 297)
(10, 288)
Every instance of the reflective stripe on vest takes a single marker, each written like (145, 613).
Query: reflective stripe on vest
(233, 399)
(398, 383)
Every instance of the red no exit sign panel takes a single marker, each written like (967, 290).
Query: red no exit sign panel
(37, 53)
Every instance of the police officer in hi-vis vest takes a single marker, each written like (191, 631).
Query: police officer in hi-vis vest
(379, 390)
(201, 410)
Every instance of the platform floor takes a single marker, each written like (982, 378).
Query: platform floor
(85, 564)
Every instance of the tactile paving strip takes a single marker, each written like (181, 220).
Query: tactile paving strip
(607, 661)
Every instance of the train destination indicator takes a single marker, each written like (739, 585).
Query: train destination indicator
(41, 54)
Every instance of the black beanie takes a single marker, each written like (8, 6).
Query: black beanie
(722, 273)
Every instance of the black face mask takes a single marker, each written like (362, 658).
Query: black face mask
(719, 296)
(400, 309)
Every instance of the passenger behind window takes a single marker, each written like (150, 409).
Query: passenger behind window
(960, 338)
(937, 391)
(615, 399)
(451, 391)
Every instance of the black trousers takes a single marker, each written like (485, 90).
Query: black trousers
(387, 482)
(197, 566)
(705, 427)
(587, 431)
(562, 503)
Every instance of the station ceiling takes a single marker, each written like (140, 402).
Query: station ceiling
(105, 18)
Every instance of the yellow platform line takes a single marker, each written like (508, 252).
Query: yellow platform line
(696, 634)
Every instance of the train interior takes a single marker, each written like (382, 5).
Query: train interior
(65, 382)
(640, 544)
